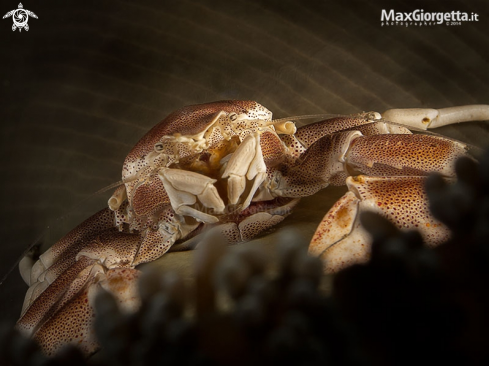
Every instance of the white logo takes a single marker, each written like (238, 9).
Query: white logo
(419, 17)
(20, 17)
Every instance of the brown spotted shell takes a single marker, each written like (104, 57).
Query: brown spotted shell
(145, 192)
(189, 120)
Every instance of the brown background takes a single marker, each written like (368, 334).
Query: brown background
(91, 77)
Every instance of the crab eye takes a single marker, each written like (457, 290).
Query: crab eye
(233, 116)
(159, 147)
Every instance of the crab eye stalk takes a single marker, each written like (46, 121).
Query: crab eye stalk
(159, 147)
(233, 116)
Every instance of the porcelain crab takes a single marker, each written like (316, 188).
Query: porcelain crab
(229, 165)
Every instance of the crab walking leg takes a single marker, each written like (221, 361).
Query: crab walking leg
(424, 118)
(246, 163)
(341, 241)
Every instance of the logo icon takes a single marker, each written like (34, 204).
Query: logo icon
(20, 17)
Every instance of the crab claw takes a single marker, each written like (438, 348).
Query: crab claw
(63, 313)
(341, 241)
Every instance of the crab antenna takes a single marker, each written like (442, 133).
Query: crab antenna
(307, 116)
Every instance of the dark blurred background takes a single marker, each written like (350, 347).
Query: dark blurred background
(89, 78)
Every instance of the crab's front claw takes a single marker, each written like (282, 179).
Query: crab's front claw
(63, 313)
(341, 241)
